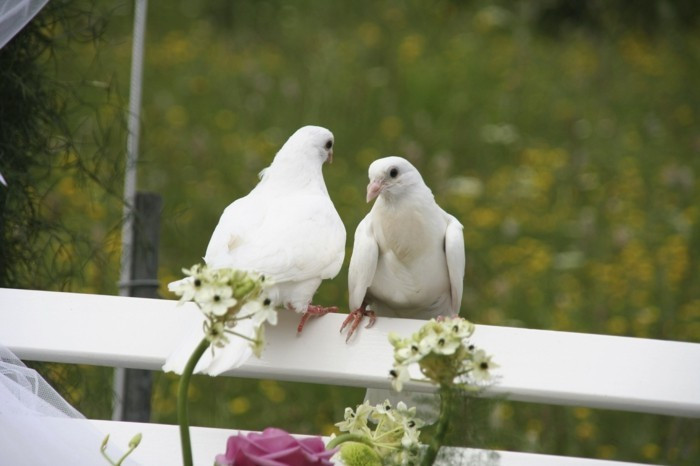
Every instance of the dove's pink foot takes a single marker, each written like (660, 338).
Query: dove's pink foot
(356, 317)
(314, 311)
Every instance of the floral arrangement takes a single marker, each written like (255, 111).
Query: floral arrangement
(393, 439)
(445, 357)
(234, 305)
(227, 298)
(444, 354)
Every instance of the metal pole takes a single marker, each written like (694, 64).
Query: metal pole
(136, 401)
(132, 151)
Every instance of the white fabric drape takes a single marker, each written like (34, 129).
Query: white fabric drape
(15, 14)
(38, 427)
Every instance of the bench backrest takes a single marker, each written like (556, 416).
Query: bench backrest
(550, 367)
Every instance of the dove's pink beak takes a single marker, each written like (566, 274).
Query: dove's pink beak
(373, 189)
(330, 156)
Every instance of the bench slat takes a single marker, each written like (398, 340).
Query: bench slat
(596, 371)
(160, 445)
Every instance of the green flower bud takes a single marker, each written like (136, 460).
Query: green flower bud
(394, 338)
(242, 289)
(135, 440)
(359, 454)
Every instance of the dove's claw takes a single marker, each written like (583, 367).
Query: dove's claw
(356, 317)
(303, 320)
(347, 320)
(372, 319)
(314, 311)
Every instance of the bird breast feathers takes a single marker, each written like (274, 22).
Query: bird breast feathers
(407, 233)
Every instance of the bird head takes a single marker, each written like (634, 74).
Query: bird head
(313, 141)
(392, 176)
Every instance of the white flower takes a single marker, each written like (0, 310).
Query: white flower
(405, 410)
(399, 375)
(408, 354)
(384, 408)
(481, 366)
(216, 334)
(216, 300)
(261, 311)
(184, 288)
(428, 343)
(363, 411)
(410, 436)
(408, 415)
(356, 421)
(460, 328)
(191, 287)
(447, 344)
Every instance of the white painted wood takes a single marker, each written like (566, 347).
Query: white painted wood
(160, 445)
(536, 365)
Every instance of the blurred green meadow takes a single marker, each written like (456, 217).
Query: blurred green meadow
(567, 144)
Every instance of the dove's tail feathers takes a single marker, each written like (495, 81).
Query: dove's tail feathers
(233, 355)
(456, 259)
(176, 361)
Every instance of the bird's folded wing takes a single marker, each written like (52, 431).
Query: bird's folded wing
(288, 238)
(363, 263)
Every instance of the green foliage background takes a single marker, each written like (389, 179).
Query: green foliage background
(564, 138)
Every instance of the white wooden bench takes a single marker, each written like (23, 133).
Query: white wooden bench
(596, 371)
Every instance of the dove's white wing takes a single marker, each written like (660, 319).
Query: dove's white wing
(454, 252)
(294, 237)
(363, 263)
(240, 216)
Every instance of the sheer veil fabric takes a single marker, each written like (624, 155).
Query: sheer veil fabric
(15, 14)
(38, 427)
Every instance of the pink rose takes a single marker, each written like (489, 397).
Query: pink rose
(274, 447)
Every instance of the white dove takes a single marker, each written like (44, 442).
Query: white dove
(408, 258)
(286, 228)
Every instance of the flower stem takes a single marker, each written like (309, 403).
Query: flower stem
(443, 421)
(182, 412)
(348, 438)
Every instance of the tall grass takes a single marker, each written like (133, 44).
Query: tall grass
(571, 159)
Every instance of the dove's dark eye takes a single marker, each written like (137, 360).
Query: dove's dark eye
(393, 172)
(329, 144)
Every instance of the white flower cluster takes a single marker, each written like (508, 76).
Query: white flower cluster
(226, 297)
(395, 432)
(444, 354)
